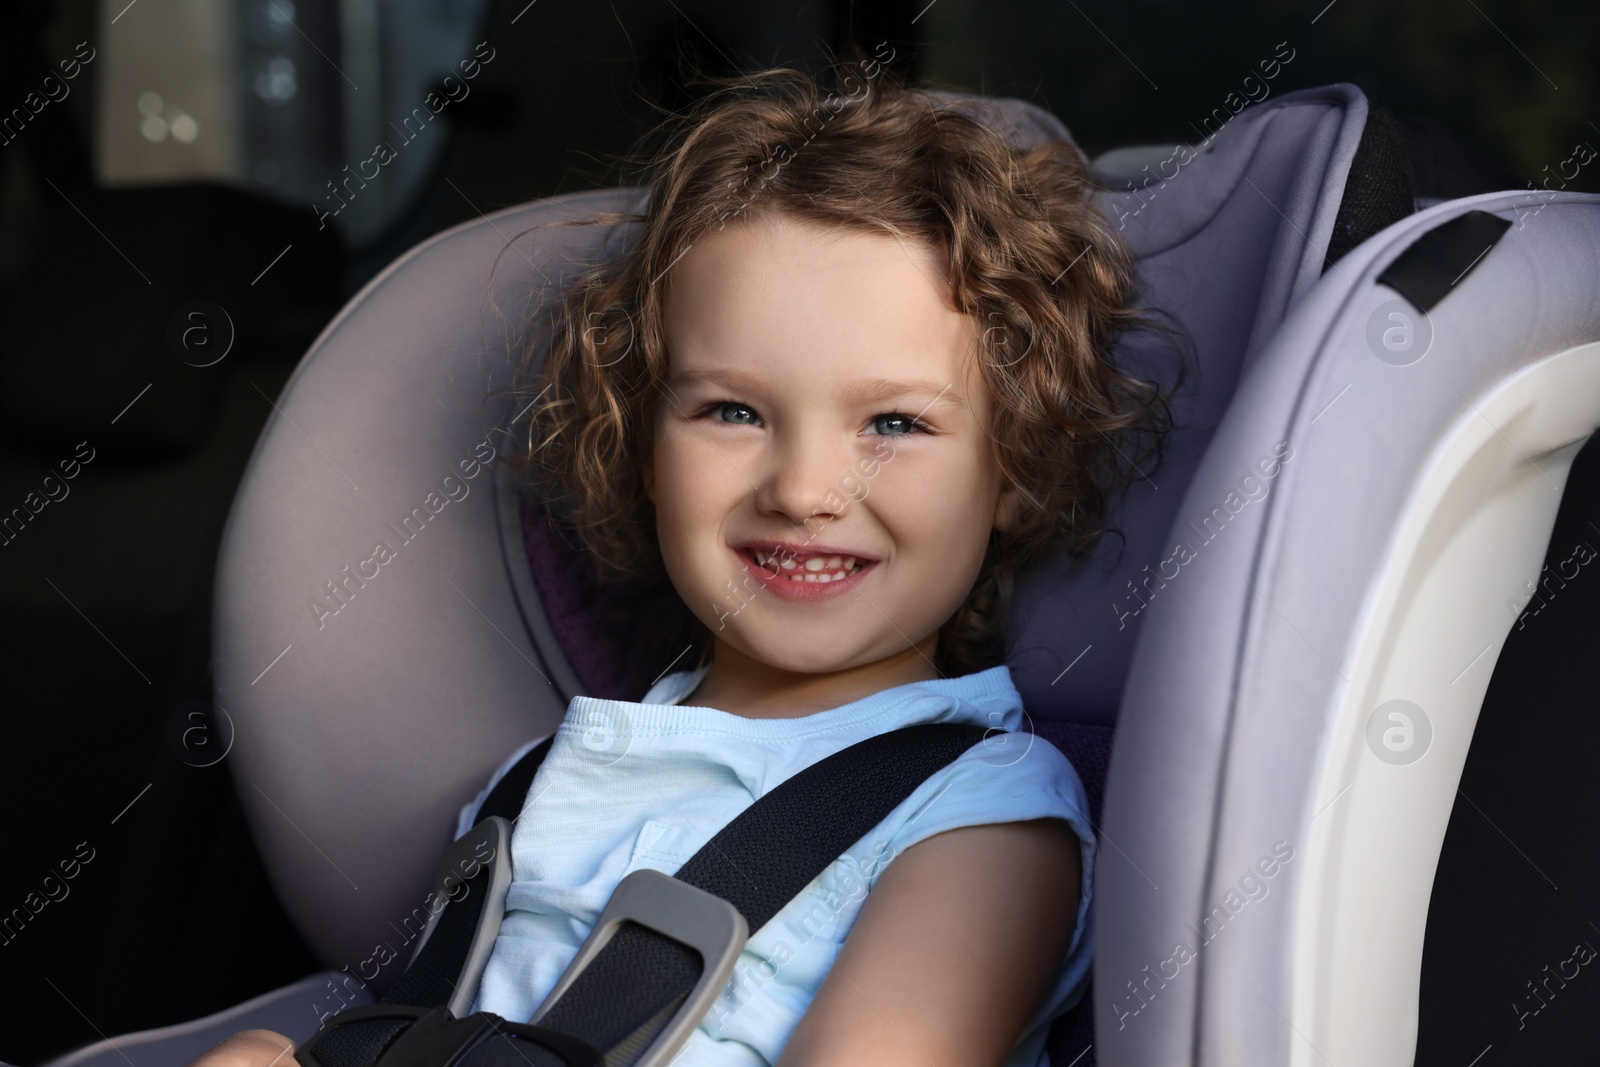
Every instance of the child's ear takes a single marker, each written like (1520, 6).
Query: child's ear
(1007, 509)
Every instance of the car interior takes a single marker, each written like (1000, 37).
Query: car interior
(1329, 687)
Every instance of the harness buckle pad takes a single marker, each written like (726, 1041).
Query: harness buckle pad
(688, 914)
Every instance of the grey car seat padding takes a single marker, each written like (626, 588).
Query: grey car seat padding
(1226, 246)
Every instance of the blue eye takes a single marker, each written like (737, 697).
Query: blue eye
(904, 425)
(720, 407)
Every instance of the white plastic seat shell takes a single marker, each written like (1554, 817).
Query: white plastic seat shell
(1416, 501)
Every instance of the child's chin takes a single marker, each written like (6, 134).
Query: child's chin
(789, 650)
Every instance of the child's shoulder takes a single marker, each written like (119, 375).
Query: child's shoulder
(1013, 775)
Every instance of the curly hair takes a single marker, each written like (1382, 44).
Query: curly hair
(1031, 257)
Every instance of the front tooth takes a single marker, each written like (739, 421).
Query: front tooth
(834, 563)
(815, 563)
(788, 564)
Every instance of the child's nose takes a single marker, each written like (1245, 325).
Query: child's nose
(805, 478)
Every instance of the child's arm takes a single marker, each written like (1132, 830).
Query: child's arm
(251, 1048)
(951, 952)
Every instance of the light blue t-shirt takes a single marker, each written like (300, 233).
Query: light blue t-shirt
(629, 785)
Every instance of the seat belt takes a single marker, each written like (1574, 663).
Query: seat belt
(661, 951)
(509, 793)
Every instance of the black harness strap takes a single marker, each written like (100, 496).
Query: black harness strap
(430, 979)
(509, 793)
(758, 862)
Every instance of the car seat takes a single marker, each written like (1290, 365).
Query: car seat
(1400, 506)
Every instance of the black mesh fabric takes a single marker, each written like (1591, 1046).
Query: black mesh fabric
(509, 793)
(630, 982)
(627, 1052)
(358, 1044)
(436, 1039)
(502, 1049)
(758, 863)
(1378, 191)
(626, 987)
(431, 978)
(428, 982)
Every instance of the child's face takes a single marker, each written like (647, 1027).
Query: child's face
(777, 430)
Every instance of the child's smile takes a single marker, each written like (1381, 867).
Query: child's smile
(822, 473)
(807, 572)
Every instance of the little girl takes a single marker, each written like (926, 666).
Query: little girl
(850, 378)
